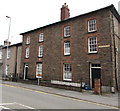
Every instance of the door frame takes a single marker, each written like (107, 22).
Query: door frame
(91, 72)
(25, 66)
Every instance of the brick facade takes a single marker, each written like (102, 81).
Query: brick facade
(53, 49)
(14, 61)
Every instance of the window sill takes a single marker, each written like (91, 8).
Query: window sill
(92, 31)
(40, 56)
(26, 57)
(41, 41)
(92, 52)
(67, 80)
(28, 44)
(67, 36)
(66, 54)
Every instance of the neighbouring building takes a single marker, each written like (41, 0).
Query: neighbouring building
(83, 47)
(1, 46)
(11, 59)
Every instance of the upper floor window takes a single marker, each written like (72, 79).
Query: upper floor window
(40, 51)
(0, 54)
(41, 37)
(67, 48)
(67, 31)
(8, 53)
(28, 40)
(27, 53)
(92, 25)
(92, 45)
(67, 72)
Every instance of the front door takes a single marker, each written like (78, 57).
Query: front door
(96, 74)
(25, 71)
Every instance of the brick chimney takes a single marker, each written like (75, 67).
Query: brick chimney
(65, 12)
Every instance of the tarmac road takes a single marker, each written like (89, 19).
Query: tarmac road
(14, 97)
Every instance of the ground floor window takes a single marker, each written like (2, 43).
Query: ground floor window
(7, 69)
(39, 69)
(67, 72)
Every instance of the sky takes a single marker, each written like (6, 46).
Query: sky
(31, 14)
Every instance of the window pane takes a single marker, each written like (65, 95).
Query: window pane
(28, 40)
(92, 25)
(67, 72)
(39, 68)
(40, 51)
(41, 37)
(66, 48)
(27, 53)
(92, 44)
(66, 31)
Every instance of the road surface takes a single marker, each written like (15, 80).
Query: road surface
(14, 97)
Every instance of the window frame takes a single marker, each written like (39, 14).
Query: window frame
(94, 28)
(66, 49)
(40, 51)
(66, 72)
(89, 45)
(28, 40)
(39, 69)
(1, 54)
(41, 37)
(7, 69)
(67, 31)
(8, 53)
(27, 51)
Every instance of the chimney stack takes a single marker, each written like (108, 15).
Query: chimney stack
(65, 12)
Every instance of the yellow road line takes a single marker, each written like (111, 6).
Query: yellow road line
(72, 98)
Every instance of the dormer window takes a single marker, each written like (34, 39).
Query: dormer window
(92, 25)
(28, 40)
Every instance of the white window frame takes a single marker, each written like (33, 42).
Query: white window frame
(8, 53)
(41, 36)
(7, 69)
(92, 45)
(66, 31)
(66, 48)
(40, 51)
(28, 40)
(67, 72)
(27, 53)
(39, 69)
(92, 25)
(0, 54)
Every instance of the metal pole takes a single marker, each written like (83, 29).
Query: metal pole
(8, 41)
(38, 81)
(9, 26)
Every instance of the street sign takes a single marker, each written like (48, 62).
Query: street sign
(38, 75)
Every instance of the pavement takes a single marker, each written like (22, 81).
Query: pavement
(105, 99)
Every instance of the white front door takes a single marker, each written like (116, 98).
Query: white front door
(25, 71)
